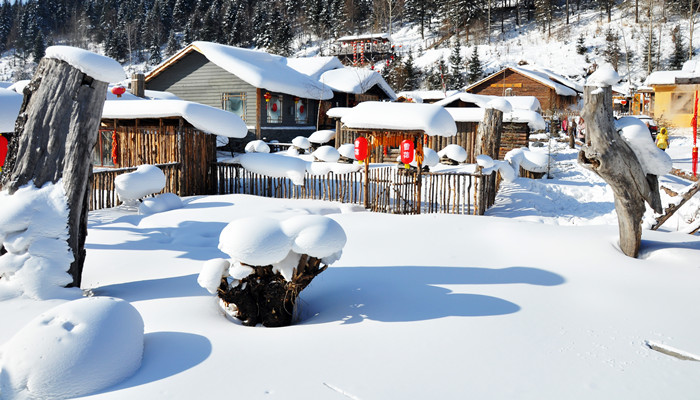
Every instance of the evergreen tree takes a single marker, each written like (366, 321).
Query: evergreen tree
(680, 52)
(173, 45)
(39, 49)
(476, 70)
(612, 50)
(650, 46)
(281, 34)
(436, 79)
(456, 78)
(412, 74)
(420, 12)
(581, 45)
(154, 50)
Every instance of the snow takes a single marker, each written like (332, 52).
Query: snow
(263, 70)
(431, 119)
(274, 165)
(211, 273)
(529, 160)
(147, 179)
(257, 146)
(347, 150)
(338, 112)
(479, 100)
(533, 119)
(73, 349)
(327, 154)
(500, 104)
(161, 203)
(322, 136)
(34, 231)
(91, 64)
(205, 118)
(356, 80)
(424, 96)
(542, 77)
(314, 66)
(605, 75)
(654, 160)
(430, 157)
(10, 104)
(454, 152)
(19, 86)
(484, 161)
(301, 142)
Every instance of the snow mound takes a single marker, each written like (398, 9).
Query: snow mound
(161, 203)
(500, 104)
(323, 168)
(326, 153)
(347, 150)
(605, 75)
(73, 349)
(147, 179)
(653, 160)
(323, 136)
(257, 146)
(301, 142)
(454, 152)
(274, 165)
(506, 170)
(430, 157)
(528, 160)
(34, 231)
(91, 64)
(433, 120)
(260, 241)
(484, 161)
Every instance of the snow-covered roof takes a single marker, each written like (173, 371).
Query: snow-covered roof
(314, 66)
(474, 114)
(356, 81)
(10, 103)
(690, 69)
(431, 119)
(479, 100)
(257, 68)
(559, 78)
(365, 37)
(420, 96)
(92, 64)
(541, 77)
(150, 95)
(338, 112)
(205, 118)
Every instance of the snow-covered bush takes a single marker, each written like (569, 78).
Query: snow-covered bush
(161, 203)
(327, 154)
(301, 142)
(257, 146)
(528, 160)
(34, 231)
(271, 261)
(274, 165)
(132, 186)
(453, 152)
(347, 152)
(322, 136)
(72, 350)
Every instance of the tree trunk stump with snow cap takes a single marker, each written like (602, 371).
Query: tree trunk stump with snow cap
(607, 154)
(265, 297)
(55, 134)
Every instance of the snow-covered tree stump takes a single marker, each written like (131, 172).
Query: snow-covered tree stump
(271, 263)
(56, 131)
(611, 157)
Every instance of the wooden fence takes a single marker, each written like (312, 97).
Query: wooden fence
(389, 189)
(103, 194)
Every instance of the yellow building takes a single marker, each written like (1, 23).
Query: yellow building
(674, 95)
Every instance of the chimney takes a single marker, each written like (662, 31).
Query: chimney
(138, 85)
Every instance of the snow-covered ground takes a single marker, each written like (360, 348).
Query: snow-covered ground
(532, 301)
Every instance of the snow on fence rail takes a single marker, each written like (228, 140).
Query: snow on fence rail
(104, 195)
(390, 189)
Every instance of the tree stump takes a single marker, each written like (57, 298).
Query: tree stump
(55, 134)
(607, 154)
(265, 297)
(488, 142)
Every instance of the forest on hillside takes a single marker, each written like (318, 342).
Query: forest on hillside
(147, 31)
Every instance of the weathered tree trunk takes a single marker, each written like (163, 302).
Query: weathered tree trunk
(671, 209)
(265, 297)
(488, 142)
(609, 156)
(54, 138)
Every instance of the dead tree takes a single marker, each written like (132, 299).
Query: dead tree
(488, 142)
(607, 154)
(55, 134)
(265, 297)
(672, 208)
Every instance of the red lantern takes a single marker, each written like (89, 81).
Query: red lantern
(118, 91)
(623, 102)
(360, 148)
(407, 151)
(274, 107)
(267, 96)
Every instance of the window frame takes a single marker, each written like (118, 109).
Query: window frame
(244, 100)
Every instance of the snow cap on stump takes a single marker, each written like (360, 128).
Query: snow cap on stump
(91, 64)
(605, 75)
(454, 152)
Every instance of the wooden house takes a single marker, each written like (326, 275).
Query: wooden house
(275, 100)
(178, 136)
(673, 99)
(359, 50)
(554, 92)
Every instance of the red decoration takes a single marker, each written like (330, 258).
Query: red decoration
(361, 148)
(115, 155)
(296, 100)
(3, 151)
(267, 96)
(118, 91)
(623, 102)
(694, 162)
(407, 151)
(301, 109)
(274, 107)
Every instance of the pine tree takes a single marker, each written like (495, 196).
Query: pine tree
(612, 50)
(650, 46)
(581, 45)
(456, 78)
(39, 49)
(173, 45)
(476, 70)
(680, 52)
(412, 75)
(154, 50)
(436, 79)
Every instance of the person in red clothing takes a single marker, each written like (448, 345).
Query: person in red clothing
(3, 150)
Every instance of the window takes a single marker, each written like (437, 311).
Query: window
(235, 103)
(300, 111)
(273, 106)
(682, 103)
(102, 153)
